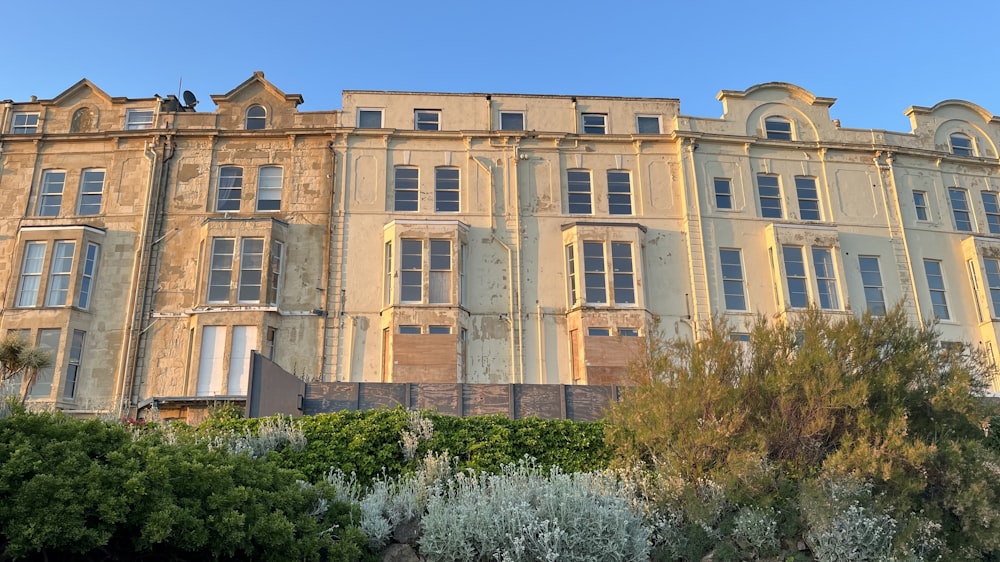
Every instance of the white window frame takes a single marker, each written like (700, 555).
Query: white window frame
(594, 123)
(408, 186)
(920, 207)
(447, 189)
(991, 206)
(364, 112)
(21, 123)
(269, 188)
(723, 189)
(798, 296)
(871, 281)
(773, 194)
(991, 266)
(639, 118)
(85, 292)
(49, 339)
(427, 119)
(257, 121)
(50, 193)
(965, 147)
(220, 270)
(777, 127)
(733, 282)
(139, 119)
(60, 273)
(825, 271)
(620, 192)
(579, 193)
(29, 284)
(807, 192)
(75, 357)
(936, 286)
(229, 190)
(91, 192)
(250, 286)
(609, 276)
(520, 114)
(961, 213)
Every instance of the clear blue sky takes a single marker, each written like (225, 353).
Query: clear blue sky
(877, 58)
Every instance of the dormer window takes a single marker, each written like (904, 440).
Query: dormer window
(256, 117)
(777, 128)
(961, 145)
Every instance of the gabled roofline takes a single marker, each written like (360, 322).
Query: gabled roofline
(257, 77)
(797, 92)
(975, 108)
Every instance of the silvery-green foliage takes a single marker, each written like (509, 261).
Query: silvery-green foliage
(392, 500)
(526, 514)
(272, 434)
(924, 544)
(858, 534)
(755, 530)
(418, 428)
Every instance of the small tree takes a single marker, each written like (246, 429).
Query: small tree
(19, 359)
(874, 398)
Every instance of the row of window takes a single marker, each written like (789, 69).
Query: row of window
(242, 260)
(229, 195)
(424, 273)
(430, 120)
(447, 191)
(780, 128)
(36, 288)
(961, 211)
(25, 123)
(89, 197)
(769, 194)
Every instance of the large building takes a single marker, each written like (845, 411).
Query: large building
(474, 238)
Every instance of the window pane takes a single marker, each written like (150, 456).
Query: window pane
(594, 273)
(221, 270)
(446, 190)
(770, 196)
(370, 119)
(992, 208)
(50, 198)
(427, 120)
(87, 280)
(274, 273)
(31, 274)
(230, 189)
(269, 181)
(438, 329)
(73, 369)
(795, 272)
(826, 279)
(961, 145)
(619, 192)
(251, 269)
(623, 278)
(406, 189)
(59, 273)
(48, 339)
(920, 205)
(440, 272)
(723, 193)
(578, 190)
(599, 332)
(24, 123)
(805, 189)
(871, 279)
(91, 190)
(411, 270)
(993, 282)
(647, 125)
(935, 285)
(511, 121)
(732, 279)
(778, 128)
(594, 123)
(136, 119)
(409, 330)
(571, 274)
(960, 209)
(256, 118)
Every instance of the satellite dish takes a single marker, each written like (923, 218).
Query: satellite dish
(189, 99)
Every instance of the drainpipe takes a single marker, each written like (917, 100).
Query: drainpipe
(512, 177)
(327, 261)
(893, 186)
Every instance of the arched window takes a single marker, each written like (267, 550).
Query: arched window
(961, 145)
(778, 128)
(256, 116)
(83, 121)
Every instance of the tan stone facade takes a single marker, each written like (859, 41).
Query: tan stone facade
(474, 238)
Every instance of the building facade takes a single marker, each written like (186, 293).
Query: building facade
(466, 238)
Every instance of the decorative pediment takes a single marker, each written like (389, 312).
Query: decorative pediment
(79, 92)
(252, 88)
